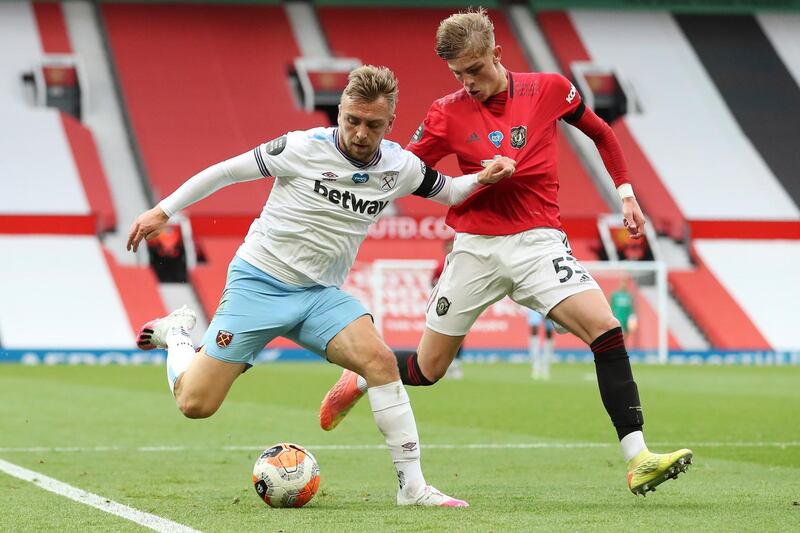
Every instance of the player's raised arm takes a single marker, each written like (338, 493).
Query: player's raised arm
(149, 224)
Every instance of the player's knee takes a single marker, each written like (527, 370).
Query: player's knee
(380, 366)
(607, 323)
(435, 368)
(194, 407)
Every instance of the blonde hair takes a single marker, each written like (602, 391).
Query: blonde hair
(367, 83)
(466, 32)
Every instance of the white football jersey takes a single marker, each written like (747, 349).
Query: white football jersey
(323, 202)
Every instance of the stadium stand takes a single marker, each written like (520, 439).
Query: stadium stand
(781, 30)
(760, 275)
(721, 319)
(63, 292)
(203, 83)
(685, 128)
(55, 269)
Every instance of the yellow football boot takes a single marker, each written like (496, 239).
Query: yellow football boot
(648, 470)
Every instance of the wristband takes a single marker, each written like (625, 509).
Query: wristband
(625, 191)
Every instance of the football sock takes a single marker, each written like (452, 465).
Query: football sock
(410, 373)
(615, 379)
(394, 418)
(632, 444)
(180, 352)
(535, 353)
(546, 357)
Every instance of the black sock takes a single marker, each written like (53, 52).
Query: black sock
(617, 388)
(410, 372)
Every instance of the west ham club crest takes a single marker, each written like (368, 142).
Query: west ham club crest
(224, 338)
(388, 179)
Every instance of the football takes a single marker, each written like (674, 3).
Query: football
(286, 475)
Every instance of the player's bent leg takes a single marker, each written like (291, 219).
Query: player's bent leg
(201, 389)
(359, 349)
(434, 355)
(361, 352)
(588, 316)
(437, 350)
(585, 314)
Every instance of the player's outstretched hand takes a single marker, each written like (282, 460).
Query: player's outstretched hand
(500, 168)
(148, 225)
(633, 218)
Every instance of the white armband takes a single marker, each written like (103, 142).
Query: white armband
(456, 190)
(240, 168)
(625, 191)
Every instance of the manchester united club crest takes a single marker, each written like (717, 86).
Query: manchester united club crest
(224, 338)
(442, 306)
(388, 180)
(519, 136)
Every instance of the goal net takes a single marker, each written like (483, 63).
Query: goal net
(400, 289)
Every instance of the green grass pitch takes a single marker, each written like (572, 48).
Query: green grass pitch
(743, 424)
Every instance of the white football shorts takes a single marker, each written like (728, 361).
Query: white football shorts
(535, 268)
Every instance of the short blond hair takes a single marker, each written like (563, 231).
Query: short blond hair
(367, 83)
(468, 32)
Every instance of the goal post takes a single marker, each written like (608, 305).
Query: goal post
(400, 290)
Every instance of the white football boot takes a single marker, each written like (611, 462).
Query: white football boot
(153, 334)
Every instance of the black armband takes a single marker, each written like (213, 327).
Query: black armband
(428, 182)
(576, 115)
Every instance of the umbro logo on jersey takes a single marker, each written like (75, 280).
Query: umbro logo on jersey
(473, 137)
(349, 200)
(329, 176)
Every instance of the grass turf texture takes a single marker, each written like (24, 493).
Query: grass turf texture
(207, 486)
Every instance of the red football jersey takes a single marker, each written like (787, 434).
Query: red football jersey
(519, 123)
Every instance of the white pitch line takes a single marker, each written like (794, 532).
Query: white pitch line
(151, 521)
(433, 446)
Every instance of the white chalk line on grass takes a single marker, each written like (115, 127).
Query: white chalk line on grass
(432, 446)
(151, 521)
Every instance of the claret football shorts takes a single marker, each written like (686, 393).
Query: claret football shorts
(535, 268)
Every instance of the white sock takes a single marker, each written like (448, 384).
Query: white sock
(361, 383)
(632, 444)
(547, 358)
(394, 418)
(180, 352)
(534, 351)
